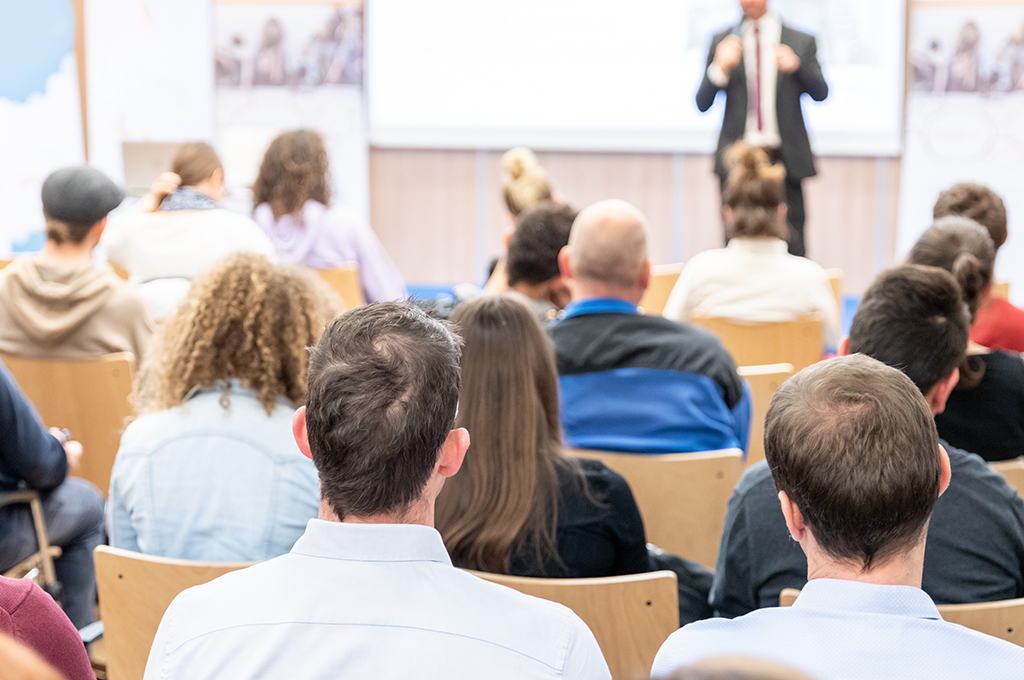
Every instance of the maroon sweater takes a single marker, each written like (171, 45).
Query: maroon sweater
(31, 617)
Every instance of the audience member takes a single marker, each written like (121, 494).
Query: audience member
(30, 457)
(732, 668)
(985, 413)
(754, 278)
(999, 324)
(521, 506)
(292, 199)
(852, 447)
(641, 384)
(57, 304)
(524, 185)
(23, 663)
(31, 617)
(181, 230)
(532, 261)
(912, 318)
(211, 470)
(369, 588)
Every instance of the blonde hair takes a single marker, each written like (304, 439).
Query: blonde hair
(754, 192)
(245, 319)
(525, 184)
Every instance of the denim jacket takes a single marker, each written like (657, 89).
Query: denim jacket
(202, 482)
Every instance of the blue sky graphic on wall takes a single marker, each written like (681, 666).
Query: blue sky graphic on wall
(35, 35)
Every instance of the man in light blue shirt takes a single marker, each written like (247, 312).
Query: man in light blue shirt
(369, 591)
(857, 463)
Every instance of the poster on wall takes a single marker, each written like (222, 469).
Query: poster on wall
(39, 99)
(282, 67)
(964, 113)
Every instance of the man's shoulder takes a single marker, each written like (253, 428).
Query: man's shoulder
(791, 36)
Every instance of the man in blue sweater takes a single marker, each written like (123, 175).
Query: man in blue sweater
(32, 458)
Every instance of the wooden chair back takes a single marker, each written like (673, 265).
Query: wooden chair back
(797, 342)
(764, 381)
(1003, 619)
(119, 270)
(134, 592)
(835, 279)
(1001, 289)
(4, 261)
(91, 398)
(345, 282)
(682, 496)
(631, 616)
(663, 280)
(1013, 472)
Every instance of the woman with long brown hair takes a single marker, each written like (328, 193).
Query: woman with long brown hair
(292, 204)
(210, 470)
(519, 505)
(985, 413)
(754, 278)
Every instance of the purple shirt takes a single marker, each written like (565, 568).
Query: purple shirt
(324, 238)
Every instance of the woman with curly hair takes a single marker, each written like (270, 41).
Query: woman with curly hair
(292, 199)
(210, 470)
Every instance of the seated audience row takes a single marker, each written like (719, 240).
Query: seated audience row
(210, 470)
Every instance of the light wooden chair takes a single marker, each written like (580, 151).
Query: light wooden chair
(835, 279)
(1001, 289)
(1013, 472)
(631, 616)
(134, 592)
(682, 496)
(4, 261)
(118, 269)
(345, 282)
(91, 398)
(663, 279)
(1003, 619)
(764, 381)
(797, 342)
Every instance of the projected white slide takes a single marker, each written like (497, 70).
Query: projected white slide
(610, 74)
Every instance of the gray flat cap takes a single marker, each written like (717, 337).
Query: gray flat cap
(80, 195)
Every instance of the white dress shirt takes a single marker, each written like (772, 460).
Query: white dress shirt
(769, 30)
(377, 601)
(853, 631)
(754, 280)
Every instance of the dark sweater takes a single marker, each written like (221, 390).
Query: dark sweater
(28, 453)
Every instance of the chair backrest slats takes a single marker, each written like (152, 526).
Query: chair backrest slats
(345, 282)
(764, 381)
(798, 342)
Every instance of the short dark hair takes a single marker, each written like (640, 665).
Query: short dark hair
(977, 202)
(853, 444)
(913, 318)
(383, 392)
(541, 233)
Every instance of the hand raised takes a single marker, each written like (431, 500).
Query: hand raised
(728, 54)
(786, 59)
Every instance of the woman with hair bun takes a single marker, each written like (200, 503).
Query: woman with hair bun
(754, 278)
(210, 470)
(524, 185)
(292, 199)
(985, 413)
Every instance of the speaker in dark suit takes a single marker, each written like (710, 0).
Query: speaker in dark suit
(764, 67)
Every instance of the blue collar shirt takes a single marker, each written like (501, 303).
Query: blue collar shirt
(850, 630)
(378, 601)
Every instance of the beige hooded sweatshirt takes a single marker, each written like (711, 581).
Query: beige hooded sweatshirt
(69, 311)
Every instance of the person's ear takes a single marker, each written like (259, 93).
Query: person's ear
(727, 214)
(217, 178)
(947, 470)
(563, 263)
(645, 275)
(783, 212)
(844, 347)
(96, 233)
(794, 518)
(506, 237)
(939, 393)
(453, 452)
(300, 432)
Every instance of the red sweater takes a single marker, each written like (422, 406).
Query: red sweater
(1000, 325)
(31, 617)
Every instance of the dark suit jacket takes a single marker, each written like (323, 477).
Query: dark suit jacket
(796, 148)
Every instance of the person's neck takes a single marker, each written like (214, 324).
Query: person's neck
(66, 253)
(419, 512)
(903, 569)
(751, 17)
(534, 291)
(589, 290)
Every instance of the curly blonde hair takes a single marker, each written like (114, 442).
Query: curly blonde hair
(294, 170)
(245, 319)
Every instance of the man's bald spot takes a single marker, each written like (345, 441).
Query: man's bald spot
(608, 244)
